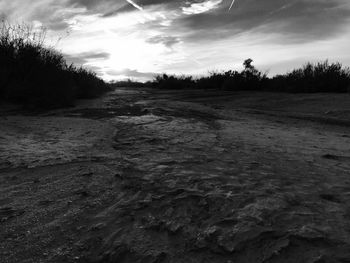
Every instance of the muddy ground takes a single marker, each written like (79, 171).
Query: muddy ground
(167, 176)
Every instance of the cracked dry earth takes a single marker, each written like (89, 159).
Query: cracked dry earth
(163, 176)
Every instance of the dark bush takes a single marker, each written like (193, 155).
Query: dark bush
(32, 74)
(320, 77)
(131, 84)
(249, 79)
(173, 82)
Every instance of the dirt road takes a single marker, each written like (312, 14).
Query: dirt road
(166, 176)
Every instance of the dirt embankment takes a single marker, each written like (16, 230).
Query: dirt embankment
(164, 176)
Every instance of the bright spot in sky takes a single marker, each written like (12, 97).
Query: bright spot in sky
(139, 38)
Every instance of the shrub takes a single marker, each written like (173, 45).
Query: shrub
(131, 83)
(249, 79)
(320, 77)
(173, 82)
(33, 74)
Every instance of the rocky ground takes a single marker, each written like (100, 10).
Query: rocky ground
(167, 176)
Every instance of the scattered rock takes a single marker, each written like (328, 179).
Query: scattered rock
(118, 175)
(45, 202)
(87, 174)
(7, 213)
(330, 156)
(330, 197)
(82, 193)
(97, 226)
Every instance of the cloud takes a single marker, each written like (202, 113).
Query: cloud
(233, 1)
(134, 5)
(303, 20)
(202, 7)
(131, 73)
(97, 6)
(87, 57)
(112, 7)
(188, 35)
(167, 41)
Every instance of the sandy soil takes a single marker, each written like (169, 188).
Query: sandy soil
(166, 176)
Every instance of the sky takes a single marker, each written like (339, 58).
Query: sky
(140, 38)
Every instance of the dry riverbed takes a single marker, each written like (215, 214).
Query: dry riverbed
(167, 176)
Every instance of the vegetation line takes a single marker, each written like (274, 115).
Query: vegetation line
(319, 77)
(38, 76)
(34, 75)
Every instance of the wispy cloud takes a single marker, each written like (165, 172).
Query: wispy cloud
(131, 73)
(198, 8)
(134, 4)
(233, 1)
(168, 41)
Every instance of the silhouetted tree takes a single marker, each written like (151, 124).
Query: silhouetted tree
(248, 64)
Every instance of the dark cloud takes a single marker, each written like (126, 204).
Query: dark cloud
(92, 4)
(96, 55)
(127, 7)
(302, 20)
(112, 7)
(252, 23)
(104, 7)
(83, 58)
(124, 9)
(167, 41)
(132, 73)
